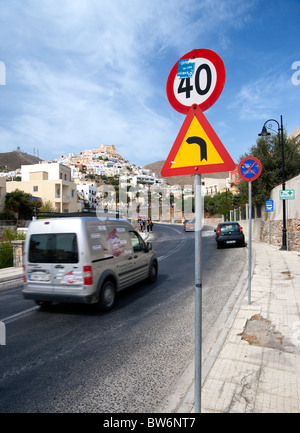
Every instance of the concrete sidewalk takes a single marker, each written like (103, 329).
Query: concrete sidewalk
(256, 369)
(7, 274)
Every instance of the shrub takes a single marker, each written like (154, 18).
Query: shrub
(6, 255)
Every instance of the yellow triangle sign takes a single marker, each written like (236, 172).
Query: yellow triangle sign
(197, 149)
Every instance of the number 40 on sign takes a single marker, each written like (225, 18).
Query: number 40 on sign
(197, 78)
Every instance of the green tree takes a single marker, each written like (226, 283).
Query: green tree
(220, 203)
(12, 235)
(223, 202)
(210, 205)
(268, 151)
(47, 207)
(21, 204)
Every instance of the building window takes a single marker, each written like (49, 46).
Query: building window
(35, 188)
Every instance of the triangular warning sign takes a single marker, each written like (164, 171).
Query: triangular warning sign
(197, 149)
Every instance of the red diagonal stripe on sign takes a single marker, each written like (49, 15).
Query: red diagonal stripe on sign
(249, 169)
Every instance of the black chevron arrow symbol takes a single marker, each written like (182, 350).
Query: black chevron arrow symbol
(201, 143)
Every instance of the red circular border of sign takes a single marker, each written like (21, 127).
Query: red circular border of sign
(220, 69)
(242, 162)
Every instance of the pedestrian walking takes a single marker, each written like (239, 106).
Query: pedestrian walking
(151, 224)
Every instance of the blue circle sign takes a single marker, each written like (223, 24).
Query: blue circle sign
(249, 168)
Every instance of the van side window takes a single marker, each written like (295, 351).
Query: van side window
(136, 242)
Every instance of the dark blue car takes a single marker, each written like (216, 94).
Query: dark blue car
(229, 233)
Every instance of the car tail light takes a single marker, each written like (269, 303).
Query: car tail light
(24, 274)
(218, 230)
(241, 229)
(88, 275)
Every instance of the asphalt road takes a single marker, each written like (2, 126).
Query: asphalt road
(71, 359)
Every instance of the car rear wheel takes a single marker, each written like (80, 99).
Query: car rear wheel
(107, 297)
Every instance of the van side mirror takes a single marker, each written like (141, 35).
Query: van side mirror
(149, 246)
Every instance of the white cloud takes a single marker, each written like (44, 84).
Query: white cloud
(260, 98)
(91, 72)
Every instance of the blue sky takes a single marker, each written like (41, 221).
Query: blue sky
(81, 73)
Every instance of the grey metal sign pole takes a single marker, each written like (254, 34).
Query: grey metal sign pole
(250, 240)
(269, 227)
(198, 291)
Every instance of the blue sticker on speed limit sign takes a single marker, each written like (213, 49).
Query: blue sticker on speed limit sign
(202, 87)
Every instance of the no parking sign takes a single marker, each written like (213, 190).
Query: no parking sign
(249, 168)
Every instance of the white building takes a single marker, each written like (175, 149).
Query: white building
(50, 182)
(143, 178)
(89, 192)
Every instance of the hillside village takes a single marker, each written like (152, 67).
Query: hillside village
(70, 182)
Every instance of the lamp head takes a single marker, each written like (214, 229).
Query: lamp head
(264, 132)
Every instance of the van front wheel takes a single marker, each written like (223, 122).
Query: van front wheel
(107, 296)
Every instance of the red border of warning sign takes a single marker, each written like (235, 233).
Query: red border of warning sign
(228, 163)
(220, 69)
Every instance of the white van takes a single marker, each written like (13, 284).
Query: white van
(85, 260)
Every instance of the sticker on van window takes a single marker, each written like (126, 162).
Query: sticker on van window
(114, 244)
(95, 235)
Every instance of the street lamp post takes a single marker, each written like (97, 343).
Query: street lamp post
(265, 133)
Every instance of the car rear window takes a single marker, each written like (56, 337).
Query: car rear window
(53, 248)
(230, 228)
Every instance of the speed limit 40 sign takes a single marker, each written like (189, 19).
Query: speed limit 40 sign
(196, 79)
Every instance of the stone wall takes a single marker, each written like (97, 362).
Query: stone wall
(268, 227)
(18, 247)
(271, 232)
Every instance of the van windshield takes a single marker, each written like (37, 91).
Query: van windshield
(53, 248)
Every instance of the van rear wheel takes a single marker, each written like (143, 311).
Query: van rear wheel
(107, 297)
